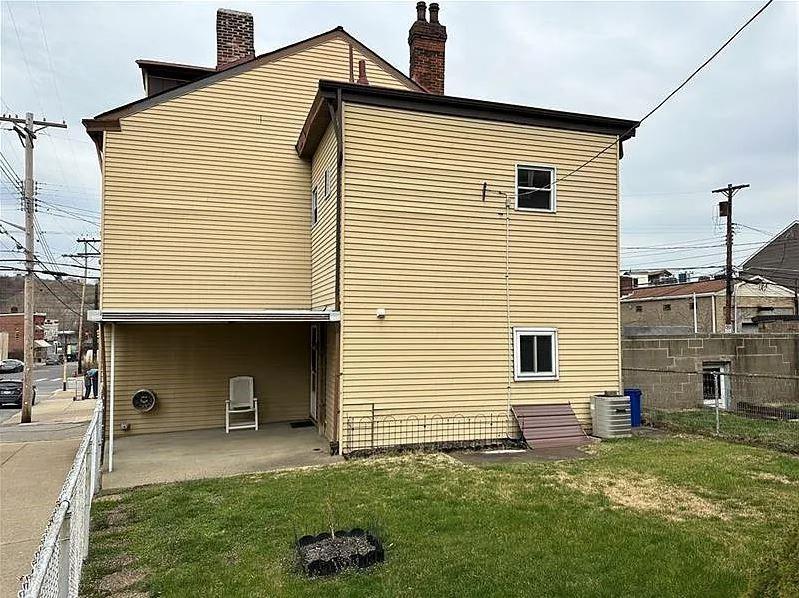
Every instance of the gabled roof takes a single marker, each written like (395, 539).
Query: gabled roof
(329, 91)
(776, 239)
(213, 76)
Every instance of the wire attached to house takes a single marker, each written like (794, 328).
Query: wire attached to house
(668, 97)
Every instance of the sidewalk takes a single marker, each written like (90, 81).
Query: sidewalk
(34, 461)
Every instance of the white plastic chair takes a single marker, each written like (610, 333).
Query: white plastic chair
(241, 401)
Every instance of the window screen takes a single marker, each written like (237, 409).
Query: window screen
(535, 188)
(535, 353)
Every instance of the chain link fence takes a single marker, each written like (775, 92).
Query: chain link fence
(758, 409)
(56, 566)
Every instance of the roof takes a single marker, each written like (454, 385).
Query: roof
(41, 344)
(664, 291)
(217, 75)
(172, 70)
(633, 272)
(778, 259)
(319, 117)
(187, 316)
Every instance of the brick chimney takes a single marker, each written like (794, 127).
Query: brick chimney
(235, 35)
(427, 40)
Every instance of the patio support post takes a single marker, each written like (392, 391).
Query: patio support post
(111, 408)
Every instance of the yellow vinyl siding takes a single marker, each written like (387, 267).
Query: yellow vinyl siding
(323, 234)
(188, 366)
(331, 380)
(206, 204)
(421, 242)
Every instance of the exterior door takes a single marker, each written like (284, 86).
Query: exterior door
(716, 384)
(314, 370)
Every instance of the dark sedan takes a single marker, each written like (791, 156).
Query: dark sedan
(11, 366)
(11, 393)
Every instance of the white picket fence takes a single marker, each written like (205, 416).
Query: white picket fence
(56, 566)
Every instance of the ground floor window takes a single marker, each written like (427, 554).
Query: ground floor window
(535, 353)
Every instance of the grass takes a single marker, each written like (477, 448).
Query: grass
(781, 435)
(644, 516)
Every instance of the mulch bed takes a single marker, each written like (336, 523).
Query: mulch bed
(328, 554)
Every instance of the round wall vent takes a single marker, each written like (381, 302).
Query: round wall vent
(144, 400)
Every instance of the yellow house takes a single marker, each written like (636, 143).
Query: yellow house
(397, 265)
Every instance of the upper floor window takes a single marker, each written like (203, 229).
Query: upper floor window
(535, 354)
(314, 206)
(535, 188)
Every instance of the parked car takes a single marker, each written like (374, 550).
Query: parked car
(11, 366)
(52, 360)
(11, 393)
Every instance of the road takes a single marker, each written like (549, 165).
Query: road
(46, 378)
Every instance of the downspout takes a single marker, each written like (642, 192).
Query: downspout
(111, 410)
(508, 323)
(713, 312)
(336, 119)
(696, 326)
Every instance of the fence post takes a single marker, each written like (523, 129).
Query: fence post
(717, 390)
(63, 554)
(88, 487)
(373, 426)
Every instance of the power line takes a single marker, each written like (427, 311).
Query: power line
(670, 95)
(60, 300)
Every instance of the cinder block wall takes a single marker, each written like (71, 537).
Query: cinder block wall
(666, 359)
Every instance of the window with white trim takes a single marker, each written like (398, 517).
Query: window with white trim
(535, 188)
(314, 206)
(535, 354)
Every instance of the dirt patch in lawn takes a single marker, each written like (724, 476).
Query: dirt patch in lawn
(633, 491)
(108, 498)
(774, 477)
(120, 581)
(117, 517)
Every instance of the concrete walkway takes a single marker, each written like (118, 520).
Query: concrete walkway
(34, 461)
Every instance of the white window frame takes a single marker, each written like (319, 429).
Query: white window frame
(314, 206)
(520, 376)
(553, 190)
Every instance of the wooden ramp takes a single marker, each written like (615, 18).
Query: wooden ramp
(549, 425)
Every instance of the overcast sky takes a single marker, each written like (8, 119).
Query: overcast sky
(735, 123)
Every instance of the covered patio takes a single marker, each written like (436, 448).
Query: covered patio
(183, 362)
(197, 454)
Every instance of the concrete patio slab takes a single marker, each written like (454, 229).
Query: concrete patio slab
(179, 456)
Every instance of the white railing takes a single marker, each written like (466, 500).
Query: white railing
(57, 564)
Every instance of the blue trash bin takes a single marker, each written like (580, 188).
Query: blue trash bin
(635, 405)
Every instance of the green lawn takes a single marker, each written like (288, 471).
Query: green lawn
(644, 516)
(781, 435)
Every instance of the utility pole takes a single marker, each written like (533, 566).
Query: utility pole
(725, 210)
(27, 135)
(85, 255)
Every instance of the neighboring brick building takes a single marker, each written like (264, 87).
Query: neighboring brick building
(679, 371)
(669, 309)
(14, 325)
